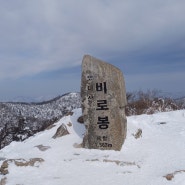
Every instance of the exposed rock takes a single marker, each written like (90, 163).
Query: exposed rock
(138, 134)
(31, 162)
(4, 168)
(61, 131)
(69, 124)
(19, 162)
(93, 160)
(103, 105)
(170, 176)
(43, 148)
(69, 113)
(80, 119)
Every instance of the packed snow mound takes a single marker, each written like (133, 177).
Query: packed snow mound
(153, 154)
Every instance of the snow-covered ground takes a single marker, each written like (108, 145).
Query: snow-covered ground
(158, 151)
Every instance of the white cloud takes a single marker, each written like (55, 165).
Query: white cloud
(42, 35)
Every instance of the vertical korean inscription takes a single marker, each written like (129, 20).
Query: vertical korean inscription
(103, 102)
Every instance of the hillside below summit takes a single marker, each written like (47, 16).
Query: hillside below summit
(19, 121)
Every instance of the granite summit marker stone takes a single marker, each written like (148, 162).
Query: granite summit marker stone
(103, 105)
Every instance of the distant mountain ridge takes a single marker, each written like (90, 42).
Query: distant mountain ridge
(29, 99)
(19, 120)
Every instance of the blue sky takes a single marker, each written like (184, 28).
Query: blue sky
(42, 43)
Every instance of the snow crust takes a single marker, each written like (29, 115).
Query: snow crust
(160, 150)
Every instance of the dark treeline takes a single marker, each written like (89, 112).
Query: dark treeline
(151, 101)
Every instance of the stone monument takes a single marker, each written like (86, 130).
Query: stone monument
(103, 105)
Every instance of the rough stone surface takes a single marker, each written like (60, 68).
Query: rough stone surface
(138, 134)
(170, 176)
(61, 131)
(103, 105)
(69, 124)
(80, 120)
(4, 168)
(20, 163)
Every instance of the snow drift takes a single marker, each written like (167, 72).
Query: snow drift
(153, 154)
